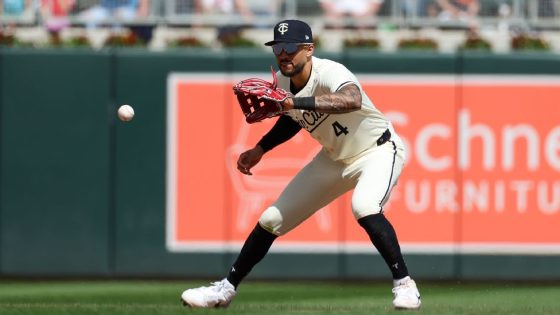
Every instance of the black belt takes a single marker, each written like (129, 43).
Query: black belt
(386, 136)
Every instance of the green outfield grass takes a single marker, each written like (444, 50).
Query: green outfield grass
(268, 298)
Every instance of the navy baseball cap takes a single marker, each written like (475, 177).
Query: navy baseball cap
(291, 31)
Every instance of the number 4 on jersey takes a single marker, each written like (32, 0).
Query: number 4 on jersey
(339, 129)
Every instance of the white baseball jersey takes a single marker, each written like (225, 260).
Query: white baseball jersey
(342, 136)
(350, 158)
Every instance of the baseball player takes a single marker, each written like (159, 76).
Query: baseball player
(360, 151)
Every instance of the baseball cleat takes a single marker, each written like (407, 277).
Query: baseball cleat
(407, 296)
(218, 294)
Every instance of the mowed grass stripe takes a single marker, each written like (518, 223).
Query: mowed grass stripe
(270, 298)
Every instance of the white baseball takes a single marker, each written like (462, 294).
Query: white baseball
(126, 113)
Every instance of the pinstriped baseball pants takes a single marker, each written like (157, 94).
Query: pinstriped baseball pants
(372, 176)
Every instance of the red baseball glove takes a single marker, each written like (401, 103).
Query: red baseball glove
(260, 99)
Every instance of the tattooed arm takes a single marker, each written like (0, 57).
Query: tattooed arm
(345, 100)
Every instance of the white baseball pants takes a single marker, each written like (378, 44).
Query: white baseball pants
(372, 176)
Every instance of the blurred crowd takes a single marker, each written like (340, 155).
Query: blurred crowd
(56, 15)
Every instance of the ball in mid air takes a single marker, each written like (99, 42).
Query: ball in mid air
(125, 113)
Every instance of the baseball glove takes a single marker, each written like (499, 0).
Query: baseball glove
(260, 99)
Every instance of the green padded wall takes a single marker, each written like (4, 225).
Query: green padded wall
(83, 194)
(141, 80)
(55, 161)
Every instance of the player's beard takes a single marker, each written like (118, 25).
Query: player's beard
(297, 69)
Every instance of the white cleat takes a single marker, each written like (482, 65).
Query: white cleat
(219, 294)
(407, 296)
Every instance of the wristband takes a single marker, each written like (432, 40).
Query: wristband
(305, 103)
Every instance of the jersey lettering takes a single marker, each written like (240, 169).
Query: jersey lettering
(311, 120)
(339, 129)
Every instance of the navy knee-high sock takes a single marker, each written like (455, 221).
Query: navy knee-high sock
(255, 248)
(383, 236)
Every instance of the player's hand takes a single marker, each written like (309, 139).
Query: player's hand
(248, 159)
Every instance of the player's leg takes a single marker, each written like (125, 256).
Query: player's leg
(315, 186)
(254, 249)
(312, 188)
(384, 238)
(221, 293)
(378, 174)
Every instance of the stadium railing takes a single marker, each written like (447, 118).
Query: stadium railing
(539, 14)
(509, 16)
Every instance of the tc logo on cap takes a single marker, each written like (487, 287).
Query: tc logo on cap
(291, 31)
(282, 28)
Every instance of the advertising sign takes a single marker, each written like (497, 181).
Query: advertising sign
(482, 172)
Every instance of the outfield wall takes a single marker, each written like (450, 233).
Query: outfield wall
(82, 194)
